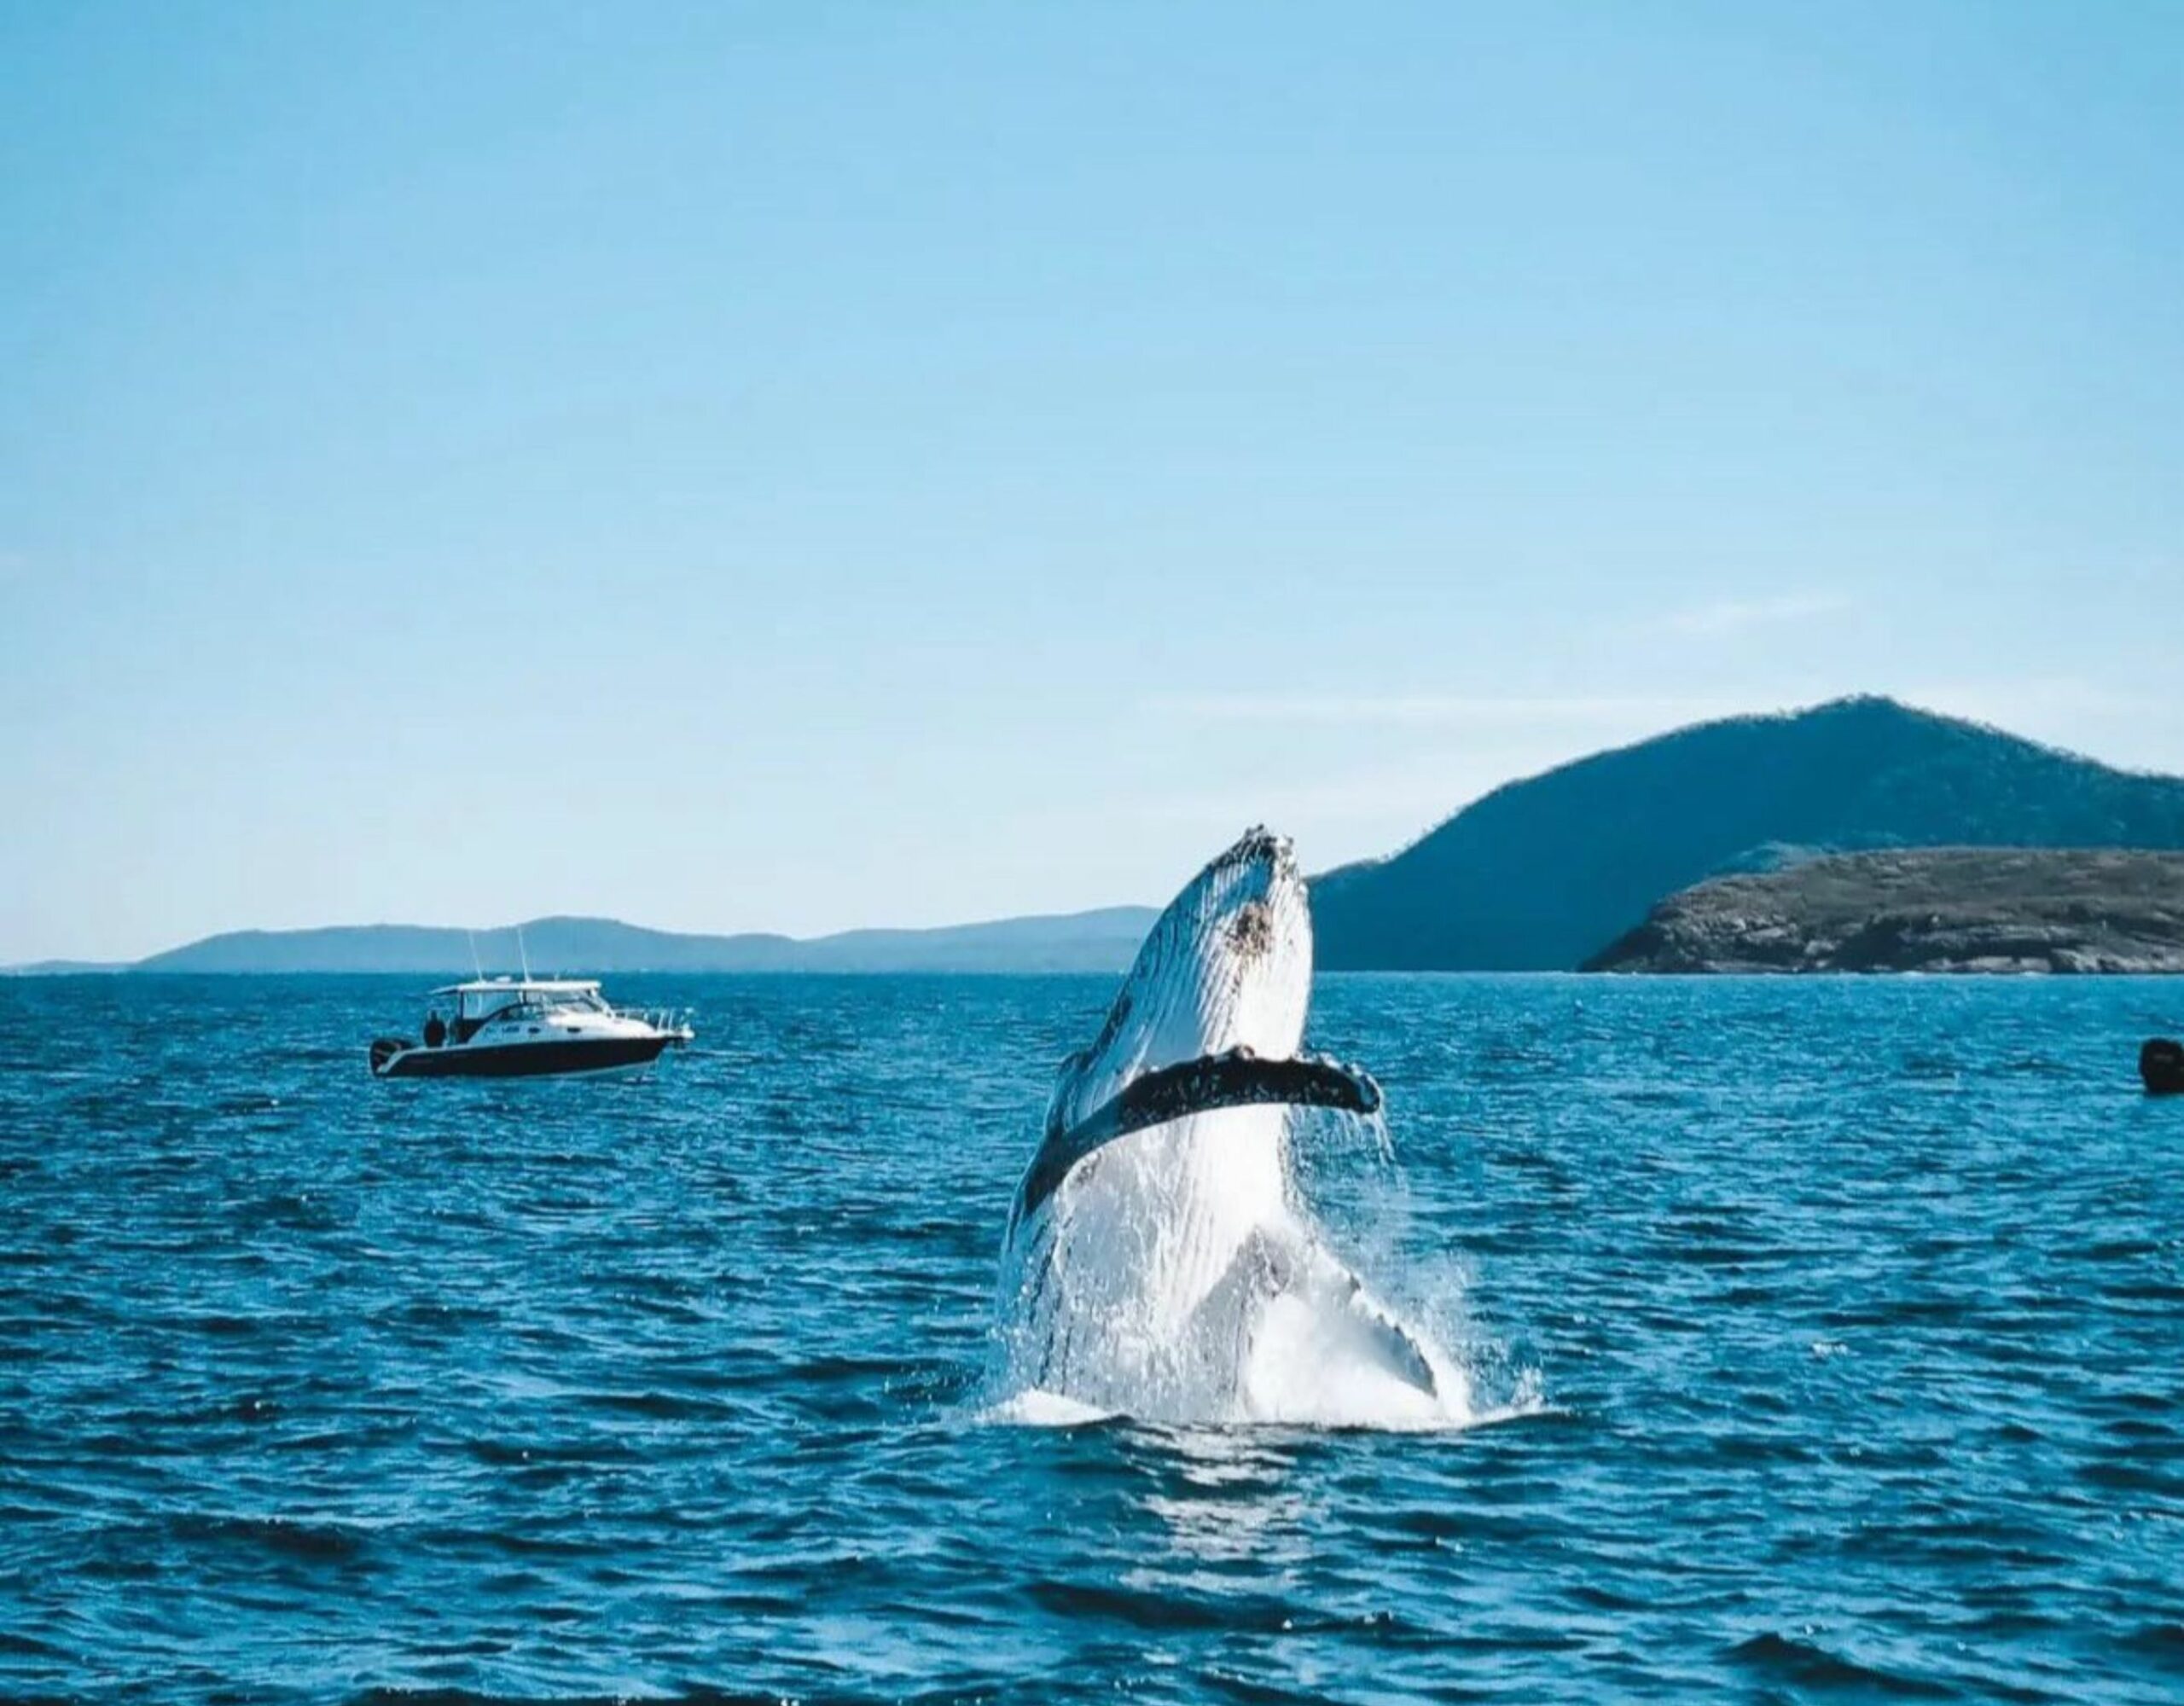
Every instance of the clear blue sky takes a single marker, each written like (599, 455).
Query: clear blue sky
(803, 466)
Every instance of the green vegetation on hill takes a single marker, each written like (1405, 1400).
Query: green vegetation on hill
(1542, 874)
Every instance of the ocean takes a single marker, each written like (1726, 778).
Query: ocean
(1825, 1340)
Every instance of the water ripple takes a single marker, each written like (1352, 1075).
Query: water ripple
(1835, 1326)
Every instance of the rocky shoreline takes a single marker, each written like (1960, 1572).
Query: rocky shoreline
(1959, 910)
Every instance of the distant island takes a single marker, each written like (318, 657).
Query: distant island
(1553, 872)
(1939, 910)
(1099, 941)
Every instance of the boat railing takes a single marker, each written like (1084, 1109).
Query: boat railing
(676, 1021)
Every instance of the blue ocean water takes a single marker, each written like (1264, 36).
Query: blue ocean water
(1840, 1323)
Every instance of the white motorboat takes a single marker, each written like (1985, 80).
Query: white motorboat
(528, 1027)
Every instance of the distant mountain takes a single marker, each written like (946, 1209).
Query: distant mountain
(1100, 941)
(1541, 874)
(1933, 909)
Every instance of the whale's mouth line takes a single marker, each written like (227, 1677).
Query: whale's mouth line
(1237, 1078)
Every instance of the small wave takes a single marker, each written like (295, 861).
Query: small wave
(1811, 1665)
(2161, 1643)
(256, 1103)
(657, 1406)
(1156, 1612)
(15, 1644)
(312, 1542)
(389, 1696)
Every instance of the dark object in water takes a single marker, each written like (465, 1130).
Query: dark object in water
(2161, 1064)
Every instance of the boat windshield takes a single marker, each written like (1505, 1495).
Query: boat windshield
(485, 1003)
(477, 1006)
(573, 1001)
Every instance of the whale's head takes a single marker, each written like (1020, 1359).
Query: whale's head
(1229, 966)
(1210, 1016)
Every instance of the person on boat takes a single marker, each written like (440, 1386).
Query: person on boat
(435, 1030)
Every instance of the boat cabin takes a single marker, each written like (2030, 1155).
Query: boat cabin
(486, 999)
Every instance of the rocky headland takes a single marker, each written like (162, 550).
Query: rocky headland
(1936, 909)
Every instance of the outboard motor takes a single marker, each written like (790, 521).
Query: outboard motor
(2161, 1065)
(384, 1049)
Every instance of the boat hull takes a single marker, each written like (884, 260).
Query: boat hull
(555, 1059)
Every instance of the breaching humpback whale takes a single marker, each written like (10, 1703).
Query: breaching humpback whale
(1158, 1261)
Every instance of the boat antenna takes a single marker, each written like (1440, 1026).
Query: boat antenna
(476, 970)
(523, 958)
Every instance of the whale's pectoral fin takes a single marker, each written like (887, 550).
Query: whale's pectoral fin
(1325, 1319)
(1303, 1306)
(1235, 1080)
(1388, 1343)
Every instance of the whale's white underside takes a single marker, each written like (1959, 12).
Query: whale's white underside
(1174, 1273)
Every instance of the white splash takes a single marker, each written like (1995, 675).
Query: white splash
(1177, 1274)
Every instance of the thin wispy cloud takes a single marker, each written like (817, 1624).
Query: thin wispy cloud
(2048, 699)
(2001, 700)
(1724, 618)
(1438, 709)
